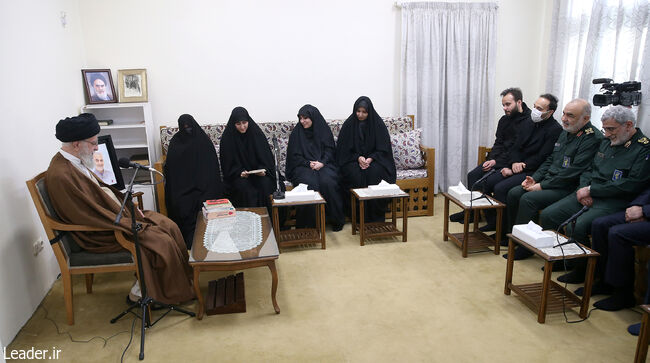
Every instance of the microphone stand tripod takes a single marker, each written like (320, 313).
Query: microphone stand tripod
(145, 301)
(483, 180)
(571, 240)
(278, 193)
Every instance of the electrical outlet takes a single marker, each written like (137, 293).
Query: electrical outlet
(38, 246)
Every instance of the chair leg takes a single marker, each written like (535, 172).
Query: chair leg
(67, 296)
(89, 283)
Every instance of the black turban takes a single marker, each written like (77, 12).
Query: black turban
(77, 128)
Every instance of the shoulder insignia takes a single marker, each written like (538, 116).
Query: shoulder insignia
(644, 140)
(589, 131)
(627, 144)
(579, 134)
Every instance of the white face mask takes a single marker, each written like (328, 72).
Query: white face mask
(536, 115)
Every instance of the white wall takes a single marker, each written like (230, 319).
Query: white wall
(202, 57)
(206, 57)
(41, 81)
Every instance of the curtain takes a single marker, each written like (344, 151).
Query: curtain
(447, 80)
(599, 39)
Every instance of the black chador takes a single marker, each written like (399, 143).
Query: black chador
(311, 159)
(365, 155)
(191, 175)
(244, 148)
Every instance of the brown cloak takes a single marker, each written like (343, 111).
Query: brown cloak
(78, 200)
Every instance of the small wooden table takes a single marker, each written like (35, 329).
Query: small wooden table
(475, 239)
(547, 296)
(299, 236)
(264, 254)
(644, 334)
(378, 229)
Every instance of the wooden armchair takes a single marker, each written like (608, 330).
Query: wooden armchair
(483, 152)
(71, 258)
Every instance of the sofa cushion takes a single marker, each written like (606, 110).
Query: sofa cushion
(406, 150)
(411, 174)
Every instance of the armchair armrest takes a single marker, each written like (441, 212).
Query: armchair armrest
(160, 187)
(483, 152)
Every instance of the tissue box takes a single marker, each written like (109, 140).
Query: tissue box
(537, 239)
(462, 194)
(383, 187)
(293, 196)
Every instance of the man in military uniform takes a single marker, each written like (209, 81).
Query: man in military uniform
(619, 172)
(613, 237)
(558, 176)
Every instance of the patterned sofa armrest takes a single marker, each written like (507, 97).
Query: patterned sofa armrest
(160, 187)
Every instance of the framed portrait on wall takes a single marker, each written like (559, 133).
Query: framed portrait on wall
(132, 84)
(98, 85)
(105, 163)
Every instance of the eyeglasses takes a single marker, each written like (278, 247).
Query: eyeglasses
(610, 129)
(93, 143)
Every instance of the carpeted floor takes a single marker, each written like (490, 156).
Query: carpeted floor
(386, 301)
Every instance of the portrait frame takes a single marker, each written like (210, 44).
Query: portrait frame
(89, 76)
(106, 148)
(132, 84)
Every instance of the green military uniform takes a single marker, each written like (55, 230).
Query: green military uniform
(617, 175)
(558, 175)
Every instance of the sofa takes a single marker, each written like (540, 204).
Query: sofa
(415, 163)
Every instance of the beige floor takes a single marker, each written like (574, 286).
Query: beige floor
(386, 301)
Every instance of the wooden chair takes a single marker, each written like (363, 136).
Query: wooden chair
(71, 258)
(483, 152)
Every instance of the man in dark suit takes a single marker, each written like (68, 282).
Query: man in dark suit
(516, 113)
(613, 237)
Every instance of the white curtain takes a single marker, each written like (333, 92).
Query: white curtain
(447, 80)
(599, 39)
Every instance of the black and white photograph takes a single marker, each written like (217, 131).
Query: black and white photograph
(132, 84)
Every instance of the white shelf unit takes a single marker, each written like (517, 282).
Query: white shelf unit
(132, 132)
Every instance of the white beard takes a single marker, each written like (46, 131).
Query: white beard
(87, 159)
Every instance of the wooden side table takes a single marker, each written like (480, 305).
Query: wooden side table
(378, 229)
(298, 236)
(547, 296)
(475, 239)
(644, 333)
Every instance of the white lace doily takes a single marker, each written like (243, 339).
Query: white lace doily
(230, 235)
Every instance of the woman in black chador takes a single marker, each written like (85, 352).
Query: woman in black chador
(364, 154)
(311, 159)
(244, 148)
(191, 175)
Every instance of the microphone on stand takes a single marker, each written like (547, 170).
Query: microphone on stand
(573, 218)
(483, 178)
(278, 194)
(127, 164)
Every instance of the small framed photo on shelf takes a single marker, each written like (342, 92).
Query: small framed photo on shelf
(98, 85)
(132, 84)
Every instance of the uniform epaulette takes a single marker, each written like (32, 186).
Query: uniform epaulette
(644, 140)
(589, 131)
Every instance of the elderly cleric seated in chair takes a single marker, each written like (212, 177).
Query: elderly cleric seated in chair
(80, 197)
